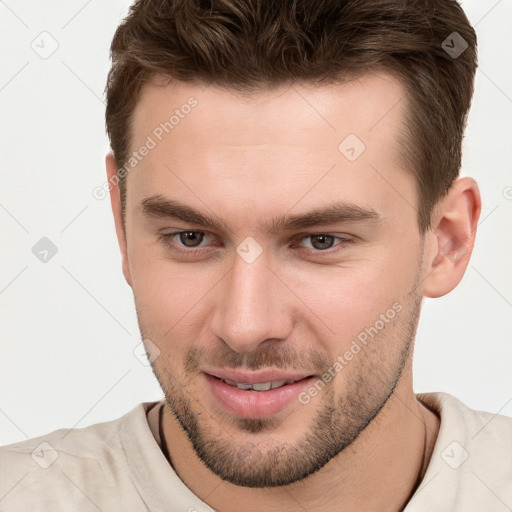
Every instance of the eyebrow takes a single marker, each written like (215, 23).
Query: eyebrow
(160, 207)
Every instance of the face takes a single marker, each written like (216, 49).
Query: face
(272, 242)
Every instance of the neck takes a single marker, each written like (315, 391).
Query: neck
(379, 471)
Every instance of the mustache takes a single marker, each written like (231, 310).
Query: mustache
(283, 357)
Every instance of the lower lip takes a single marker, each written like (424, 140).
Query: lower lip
(255, 404)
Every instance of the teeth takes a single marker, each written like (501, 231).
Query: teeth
(262, 386)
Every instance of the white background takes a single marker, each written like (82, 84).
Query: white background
(68, 326)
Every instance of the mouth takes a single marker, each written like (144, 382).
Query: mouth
(255, 395)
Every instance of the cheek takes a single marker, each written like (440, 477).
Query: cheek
(170, 296)
(349, 298)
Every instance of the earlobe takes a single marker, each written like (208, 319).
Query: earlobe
(451, 238)
(115, 201)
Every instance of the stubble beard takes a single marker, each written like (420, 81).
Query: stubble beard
(341, 415)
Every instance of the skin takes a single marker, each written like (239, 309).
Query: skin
(364, 440)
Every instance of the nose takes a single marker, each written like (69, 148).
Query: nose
(251, 306)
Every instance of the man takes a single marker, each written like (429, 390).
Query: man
(284, 183)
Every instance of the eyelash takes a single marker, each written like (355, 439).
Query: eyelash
(167, 240)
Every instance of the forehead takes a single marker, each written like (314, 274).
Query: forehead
(360, 103)
(295, 143)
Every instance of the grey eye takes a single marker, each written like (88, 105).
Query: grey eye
(322, 241)
(191, 238)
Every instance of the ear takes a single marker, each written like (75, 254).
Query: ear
(451, 238)
(115, 201)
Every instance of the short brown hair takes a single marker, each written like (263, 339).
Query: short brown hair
(249, 45)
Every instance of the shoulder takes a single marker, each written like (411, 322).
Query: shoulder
(478, 429)
(66, 466)
(471, 465)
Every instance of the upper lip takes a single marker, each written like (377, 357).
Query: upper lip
(268, 375)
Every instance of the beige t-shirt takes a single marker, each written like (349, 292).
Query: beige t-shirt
(118, 465)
